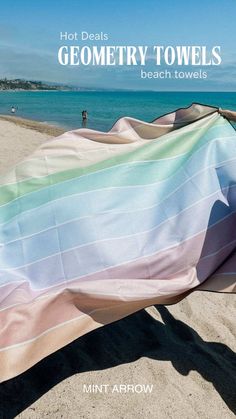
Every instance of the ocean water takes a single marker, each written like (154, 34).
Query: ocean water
(104, 108)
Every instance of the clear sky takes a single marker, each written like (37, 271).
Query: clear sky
(29, 38)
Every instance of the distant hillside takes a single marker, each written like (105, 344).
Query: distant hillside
(18, 84)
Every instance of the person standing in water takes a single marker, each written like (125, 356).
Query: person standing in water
(13, 110)
(84, 118)
(84, 115)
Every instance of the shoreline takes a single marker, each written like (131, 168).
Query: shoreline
(38, 126)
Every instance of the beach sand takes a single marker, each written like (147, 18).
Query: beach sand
(19, 137)
(185, 351)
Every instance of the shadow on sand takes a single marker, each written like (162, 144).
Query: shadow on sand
(122, 342)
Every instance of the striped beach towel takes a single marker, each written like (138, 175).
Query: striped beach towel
(95, 226)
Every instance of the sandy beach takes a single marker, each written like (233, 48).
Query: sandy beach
(19, 137)
(184, 352)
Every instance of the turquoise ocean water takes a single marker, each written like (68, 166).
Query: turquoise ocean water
(104, 108)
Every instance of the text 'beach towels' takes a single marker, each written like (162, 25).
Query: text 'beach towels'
(95, 226)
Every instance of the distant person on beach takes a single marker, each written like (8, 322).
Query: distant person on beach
(13, 109)
(84, 115)
(231, 115)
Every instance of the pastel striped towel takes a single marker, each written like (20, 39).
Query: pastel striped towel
(95, 226)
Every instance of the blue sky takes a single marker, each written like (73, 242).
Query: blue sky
(29, 39)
